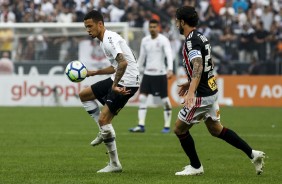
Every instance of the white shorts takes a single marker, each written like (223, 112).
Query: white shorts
(204, 108)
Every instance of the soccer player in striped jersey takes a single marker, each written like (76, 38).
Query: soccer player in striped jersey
(201, 96)
(154, 50)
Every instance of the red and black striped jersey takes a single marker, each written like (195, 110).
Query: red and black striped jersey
(197, 45)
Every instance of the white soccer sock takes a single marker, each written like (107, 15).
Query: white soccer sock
(108, 134)
(167, 112)
(142, 111)
(93, 110)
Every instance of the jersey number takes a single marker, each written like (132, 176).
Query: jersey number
(207, 58)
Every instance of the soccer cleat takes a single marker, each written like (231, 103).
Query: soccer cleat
(110, 168)
(258, 161)
(138, 128)
(98, 140)
(190, 171)
(166, 130)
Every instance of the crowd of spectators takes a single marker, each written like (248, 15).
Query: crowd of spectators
(241, 31)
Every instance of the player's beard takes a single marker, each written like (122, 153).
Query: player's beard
(181, 30)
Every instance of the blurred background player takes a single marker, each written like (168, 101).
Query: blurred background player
(200, 95)
(156, 53)
(112, 92)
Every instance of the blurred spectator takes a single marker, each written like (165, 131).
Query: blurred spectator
(115, 11)
(241, 17)
(240, 4)
(6, 40)
(47, 7)
(19, 10)
(267, 18)
(260, 37)
(6, 14)
(25, 51)
(38, 47)
(66, 15)
(254, 14)
(80, 10)
(217, 5)
(245, 44)
(227, 14)
(204, 5)
(6, 64)
(28, 16)
(203, 28)
(272, 42)
(212, 20)
(228, 39)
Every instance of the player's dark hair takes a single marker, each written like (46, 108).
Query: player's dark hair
(188, 14)
(153, 21)
(95, 15)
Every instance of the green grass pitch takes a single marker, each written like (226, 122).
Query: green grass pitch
(51, 145)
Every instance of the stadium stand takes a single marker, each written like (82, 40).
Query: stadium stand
(244, 33)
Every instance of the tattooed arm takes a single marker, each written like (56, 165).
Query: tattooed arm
(122, 64)
(196, 77)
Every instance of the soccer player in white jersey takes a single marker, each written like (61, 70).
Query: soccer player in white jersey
(155, 49)
(112, 92)
(201, 96)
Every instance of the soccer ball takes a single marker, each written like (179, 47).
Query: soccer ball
(76, 71)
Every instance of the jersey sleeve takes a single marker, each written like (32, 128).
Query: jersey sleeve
(194, 48)
(168, 54)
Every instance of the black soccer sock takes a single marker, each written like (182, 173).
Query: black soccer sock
(188, 146)
(232, 138)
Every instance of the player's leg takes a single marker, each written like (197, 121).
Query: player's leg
(216, 129)
(162, 89)
(167, 114)
(87, 99)
(145, 89)
(181, 130)
(186, 119)
(142, 112)
(109, 135)
(114, 103)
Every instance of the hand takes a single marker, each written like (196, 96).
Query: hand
(169, 74)
(189, 100)
(183, 88)
(121, 90)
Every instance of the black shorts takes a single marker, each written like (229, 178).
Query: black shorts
(154, 85)
(103, 92)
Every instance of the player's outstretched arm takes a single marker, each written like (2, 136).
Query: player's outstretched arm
(104, 71)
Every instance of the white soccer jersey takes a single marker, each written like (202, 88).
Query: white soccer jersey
(113, 44)
(154, 51)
